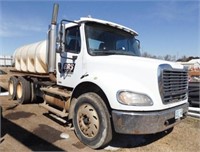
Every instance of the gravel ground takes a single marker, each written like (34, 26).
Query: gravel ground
(30, 128)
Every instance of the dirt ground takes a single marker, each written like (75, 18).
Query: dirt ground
(4, 78)
(30, 128)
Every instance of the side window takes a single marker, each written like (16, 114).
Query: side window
(72, 40)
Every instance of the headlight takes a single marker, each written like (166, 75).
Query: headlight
(133, 99)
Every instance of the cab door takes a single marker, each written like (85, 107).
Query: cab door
(69, 63)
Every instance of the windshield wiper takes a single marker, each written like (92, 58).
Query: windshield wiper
(119, 52)
(109, 52)
(98, 52)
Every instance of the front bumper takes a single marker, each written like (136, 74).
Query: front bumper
(146, 122)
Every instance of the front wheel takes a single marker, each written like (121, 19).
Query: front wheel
(92, 121)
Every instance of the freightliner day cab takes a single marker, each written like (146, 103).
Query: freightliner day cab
(91, 72)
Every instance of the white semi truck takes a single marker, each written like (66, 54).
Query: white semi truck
(90, 71)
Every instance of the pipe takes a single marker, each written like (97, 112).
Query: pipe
(194, 114)
(55, 14)
(197, 110)
(52, 41)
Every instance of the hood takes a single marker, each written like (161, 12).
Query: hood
(129, 64)
(136, 74)
(128, 70)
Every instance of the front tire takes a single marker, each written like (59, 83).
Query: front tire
(92, 121)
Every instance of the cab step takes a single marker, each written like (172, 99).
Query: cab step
(61, 114)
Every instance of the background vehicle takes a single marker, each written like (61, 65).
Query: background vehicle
(194, 91)
(194, 87)
(86, 72)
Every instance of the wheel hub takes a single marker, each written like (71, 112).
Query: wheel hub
(11, 88)
(19, 90)
(88, 121)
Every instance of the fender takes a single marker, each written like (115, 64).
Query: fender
(110, 84)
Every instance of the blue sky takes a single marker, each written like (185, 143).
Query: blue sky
(164, 26)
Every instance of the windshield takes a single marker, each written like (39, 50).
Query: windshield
(107, 40)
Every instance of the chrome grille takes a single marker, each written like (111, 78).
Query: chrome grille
(173, 85)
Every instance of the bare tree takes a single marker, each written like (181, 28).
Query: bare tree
(166, 57)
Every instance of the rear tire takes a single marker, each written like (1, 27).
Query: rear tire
(91, 121)
(12, 87)
(23, 90)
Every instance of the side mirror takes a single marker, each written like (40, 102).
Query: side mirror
(61, 39)
(138, 43)
(136, 47)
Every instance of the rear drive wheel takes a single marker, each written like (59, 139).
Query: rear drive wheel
(12, 87)
(92, 121)
(23, 90)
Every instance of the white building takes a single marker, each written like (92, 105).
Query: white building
(6, 60)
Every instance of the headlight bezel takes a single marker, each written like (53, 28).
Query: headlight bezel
(142, 96)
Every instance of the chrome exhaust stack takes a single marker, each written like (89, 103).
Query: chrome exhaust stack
(52, 42)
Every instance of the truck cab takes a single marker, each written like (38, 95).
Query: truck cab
(142, 95)
(91, 39)
(90, 71)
